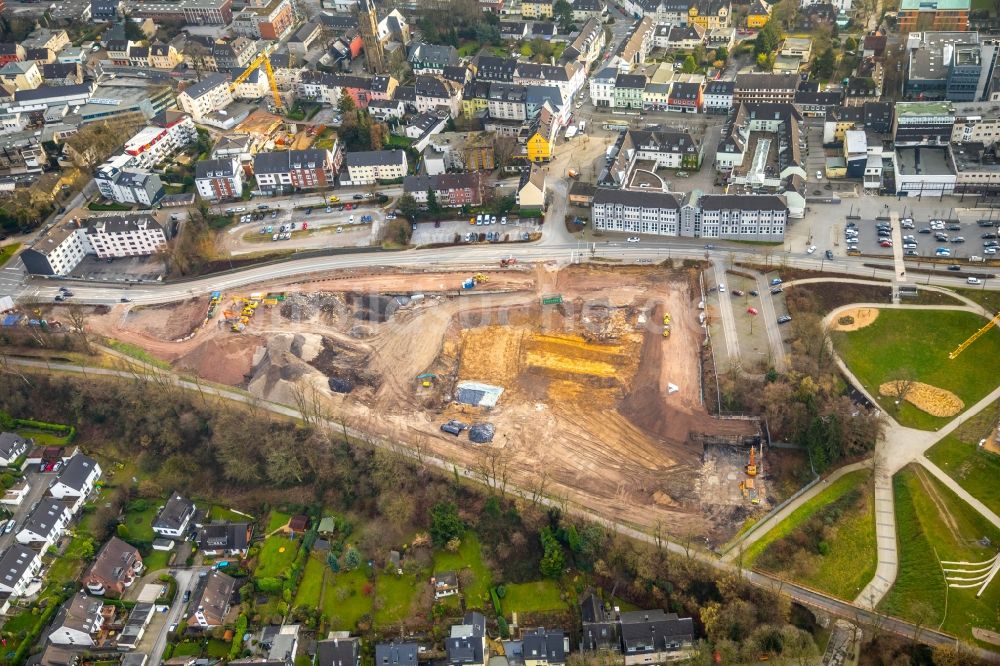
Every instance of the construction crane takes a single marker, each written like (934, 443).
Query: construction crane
(975, 336)
(262, 58)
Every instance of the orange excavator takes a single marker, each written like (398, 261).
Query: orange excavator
(752, 466)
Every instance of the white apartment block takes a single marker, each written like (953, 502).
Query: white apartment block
(131, 236)
(151, 145)
(369, 167)
(208, 95)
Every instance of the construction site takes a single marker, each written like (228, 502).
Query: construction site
(584, 381)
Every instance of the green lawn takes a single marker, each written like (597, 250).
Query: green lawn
(396, 594)
(140, 523)
(960, 457)
(539, 596)
(277, 519)
(344, 600)
(987, 298)
(43, 437)
(852, 557)
(8, 251)
(924, 537)
(211, 647)
(157, 559)
(901, 341)
(137, 353)
(470, 554)
(276, 556)
(312, 582)
(224, 514)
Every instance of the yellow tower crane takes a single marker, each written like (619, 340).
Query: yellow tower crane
(975, 336)
(262, 58)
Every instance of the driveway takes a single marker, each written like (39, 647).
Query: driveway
(39, 484)
(154, 641)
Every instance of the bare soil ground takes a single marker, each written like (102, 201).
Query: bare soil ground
(585, 412)
(862, 317)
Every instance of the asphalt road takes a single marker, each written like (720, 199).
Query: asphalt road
(798, 593)
(186, 580)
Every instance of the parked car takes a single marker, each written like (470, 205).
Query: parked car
(775, 282)
(776, 290)
(973, 280)
(829, 254)
(358, 197)
(632, 239)
(784, 319)
(738, 292)
(810, 249)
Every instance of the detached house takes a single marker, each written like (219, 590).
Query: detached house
(338, 652)
(225, 539)
(445, 584)
(115, 568)
(211, 600)
(396, 654)
(12, 447)
(78, 621)
(76, 480)
(175, 516)
(654, 636)
(542, 647)
(467, 644)
(542, 135)
(18, 566)
(531, 188)
(45, 524)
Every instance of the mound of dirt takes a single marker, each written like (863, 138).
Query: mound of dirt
(931, 399)
(307, 306)
(342, 361)
(226, 360)
(168, 322)
(861, 317)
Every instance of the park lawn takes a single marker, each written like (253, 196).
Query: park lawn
(396, 594)
(960, 457)
(312, 582)
(898, 340)
(925, 536)
(543, 595)
(140, 523)
(469, 555)
(277, 519)
(344, 599)
(276, 556)
(834, 491)
(8, 251)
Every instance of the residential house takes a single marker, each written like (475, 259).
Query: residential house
(568, 77)
(219, 180)
(386, 109)
(495, 70)
(128, 186)
(685, 97)
(718, 96)
(164, 56)
(654, 636)
(531, 188)
(536, 9)
(338, 652)
(431, 58)
(15, 495)
(628, 91)
(396, 654)
(78, 621)
(602, 87)
(601, 631)
(506, 101)
(452, 190)
(280, 643)
(541, 647)
(759, 14)
(586, 47)
(434, 92)
(542, 135)
(445, 584)
(222, 539)
(710, 14)
(18, 566)
(115, 568)
(105, 11)
(513, 31)
(62, 74)
(683, 37)
(12, 447)
(584, 10)
(467, 644)
(765, 88)
(20, 75)
(210, 94)
(370, 167)
(174, 518)
(271, 20)
(11, 51)
(291, 170)
(210, 602)
(46, 38)
(76, 480)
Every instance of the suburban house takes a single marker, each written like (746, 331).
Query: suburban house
(452, 190)
(12, 447)
(541, 647)
(210, 601)
(175, 516)
(445, 584)
(281, 643)
(531, 189)
(370, 166)
(14, 495)
(653, 636)
(467, 644)
(396, 654)
(759, 14)
(225, 539)
(45, 524)
(76, 480)
(601, 630)
(18, 566)
(78, 621)
(338, 652)
(115, 568)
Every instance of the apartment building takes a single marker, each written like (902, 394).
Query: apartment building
(207, 96)
(272, 20)
(127, 235)
(921, 15)
(291, 170)
(127, 185)
(452, 190)
(506, 101)
(369, 167)
(219, 180)
(779, 88)
(155, 143)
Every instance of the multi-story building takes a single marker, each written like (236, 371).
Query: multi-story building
(568, 77)
(431, 58)
(495, 70)
(769, 88)
(207, 96)
(541, 135)
(18, 566)
(219, 179)
(506, 101)
(743, 217)
(536, 9)
(434, 93)
(271, 20)
(11, 51)
(656, 148)
(685, 97)
(191, 12)
(921, 15)
(638, 45)
(956, 66)
(164, 56)
(290, 170)
(115, 568)
(709, 14)
(211, 600)
(453, 190)
(602, 87)
(127, 235)
(129, 186)
(923, 123)
(584, 10)
(718, 96)
(586, 47)
(369, 167)
(20, 75)
(155, 143)
(628, 91)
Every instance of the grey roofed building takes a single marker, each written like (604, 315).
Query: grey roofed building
(544, 645)
(79, 469)
(12, 446)
(338, 20)
(227, 537)
(338, 652)
(405, 93)
(44, 92)
(214, 169)
(117, 224)
(466, 644)
(457, 73)
(637, 198)
(720, 87)
(432, 55)
(211, 599)
(543, 29)
(396, 654)
(211, 81)
(174, 513)
(647, 631)
(375, 158)
(685, 91)
(46, 516)
(742, 202)
(634, 81)
(491, 68)
(283, 161)
(15, 561)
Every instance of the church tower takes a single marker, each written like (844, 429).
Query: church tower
(368, 25)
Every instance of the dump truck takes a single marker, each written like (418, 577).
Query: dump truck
(469, 284)
(479, 278)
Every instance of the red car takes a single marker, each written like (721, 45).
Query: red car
(886, 243)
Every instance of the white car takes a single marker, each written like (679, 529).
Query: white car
(819, 175)
(810, 249)
(973, 280)
(632, 239)
(722, 288)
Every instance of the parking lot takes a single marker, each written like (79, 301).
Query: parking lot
(123, 269)
(962, 238)
(427, 233)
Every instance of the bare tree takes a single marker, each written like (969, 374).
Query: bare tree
(504, 149)
(494, 468)
(903, 384)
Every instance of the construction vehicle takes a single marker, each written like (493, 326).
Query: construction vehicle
(572, 173)
(262, 58)
(666, 330)
(469, 284)
(752, 466)
(975, 336)
(479, 278)
(508, 261)
(426, 379)
(666, 319)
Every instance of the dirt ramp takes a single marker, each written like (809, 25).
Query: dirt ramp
(222, 360)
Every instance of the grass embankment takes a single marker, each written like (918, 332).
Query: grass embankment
(828, 543)
(8, 251)
(973, 468)
(918, 342)
(933, 524)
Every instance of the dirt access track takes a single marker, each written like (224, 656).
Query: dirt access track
(598, 406)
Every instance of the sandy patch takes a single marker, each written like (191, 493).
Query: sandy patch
(862, 317)
(931, 399)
